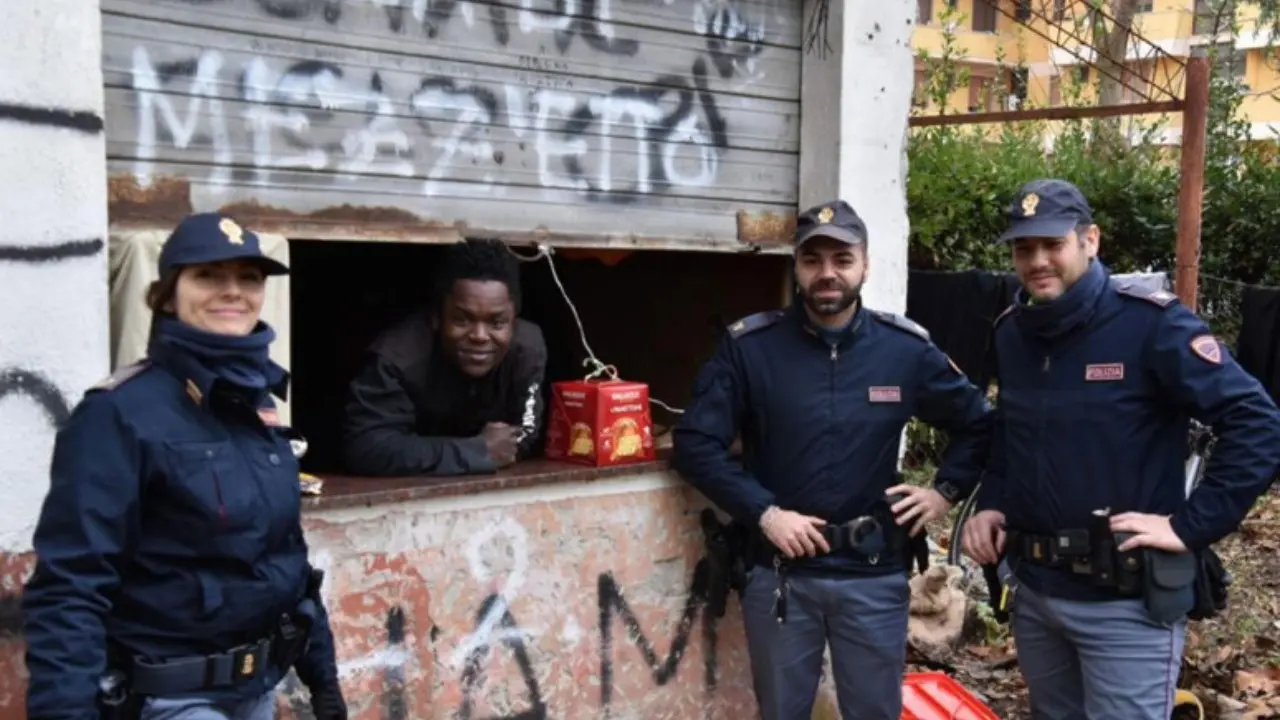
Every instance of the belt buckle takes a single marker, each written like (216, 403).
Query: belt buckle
(857, 531)
(246, 661)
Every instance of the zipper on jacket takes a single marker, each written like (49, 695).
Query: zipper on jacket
(217, 491)
(832, 410)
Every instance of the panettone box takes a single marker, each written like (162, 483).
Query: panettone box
(600, 423)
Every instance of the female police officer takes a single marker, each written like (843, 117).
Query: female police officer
(170, 552)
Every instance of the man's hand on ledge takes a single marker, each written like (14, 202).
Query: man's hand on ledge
(501, 439)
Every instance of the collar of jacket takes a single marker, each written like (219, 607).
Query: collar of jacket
(199, 381)
(1073, 308)
(828, 337)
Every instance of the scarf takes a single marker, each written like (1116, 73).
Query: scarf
(242, 360)
(1072, 309)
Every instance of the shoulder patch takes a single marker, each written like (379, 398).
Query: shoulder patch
(1207, 348)
(901, 322)
(751, 323)
(122, 375)
(1002, 316)
(1160, 298)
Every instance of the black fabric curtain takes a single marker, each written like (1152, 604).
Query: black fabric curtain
(958, 309)
(1258, 345)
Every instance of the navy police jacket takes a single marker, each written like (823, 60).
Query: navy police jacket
(821, 422)
(1096, 392)
(171, 529)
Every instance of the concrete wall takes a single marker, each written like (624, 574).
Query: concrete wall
(53, 217)
(563, 601)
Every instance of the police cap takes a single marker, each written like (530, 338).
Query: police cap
(835, 220)
(1046, 208)
(212, 237)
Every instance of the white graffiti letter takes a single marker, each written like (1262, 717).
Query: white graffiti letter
(473, 109)
(153, 101)
(364, 145)
(611, 109)
(689, 130)
(488, 633)
(548, 146)
(531, 21)
(261, 90)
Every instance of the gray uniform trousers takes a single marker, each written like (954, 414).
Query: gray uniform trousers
(864, 618)
(261, 708)
(1095, 660)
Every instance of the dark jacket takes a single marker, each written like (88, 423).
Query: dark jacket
(1096, 393)
(821, 423)
(411, 411)
(171, 529)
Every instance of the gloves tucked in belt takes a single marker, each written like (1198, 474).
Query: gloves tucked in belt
(327, 703)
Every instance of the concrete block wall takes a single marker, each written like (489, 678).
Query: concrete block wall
(53, 218)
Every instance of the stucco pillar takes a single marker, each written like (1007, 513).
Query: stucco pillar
(855, 99)
(53, 218)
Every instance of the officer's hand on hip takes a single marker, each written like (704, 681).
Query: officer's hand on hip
(923, 504)
(984, 536)
(1152, 531)
(794, 534)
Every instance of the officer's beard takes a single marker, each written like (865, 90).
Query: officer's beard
(827, 306)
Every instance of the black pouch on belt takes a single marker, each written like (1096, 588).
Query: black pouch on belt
(1211, 585)
(1129, 568)
(1168, 584)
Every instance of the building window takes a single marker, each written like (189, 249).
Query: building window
(1137, 82)
(1144, 7)
(984, 15)
(1022, 10)
(1018, 82)
(1211, 19)
(982, 96)
(924, 12)
(1231, 61)
(1055, 91)
(1059, 10)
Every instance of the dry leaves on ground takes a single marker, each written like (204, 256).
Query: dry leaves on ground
(1232, 663)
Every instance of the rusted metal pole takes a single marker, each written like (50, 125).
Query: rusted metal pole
(1195, 114)
(1051, 113)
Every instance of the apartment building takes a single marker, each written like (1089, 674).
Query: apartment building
(1017, 57)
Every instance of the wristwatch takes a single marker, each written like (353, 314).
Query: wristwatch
(948, 491)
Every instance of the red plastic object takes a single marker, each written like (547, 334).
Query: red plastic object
(935, 696)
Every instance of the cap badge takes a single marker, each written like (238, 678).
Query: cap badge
(825, 215)
(235, 235)
(1029, 204)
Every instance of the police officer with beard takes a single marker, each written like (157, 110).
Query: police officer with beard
(1087, 498)
(820, 393)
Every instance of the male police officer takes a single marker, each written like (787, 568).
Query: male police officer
(1098, 381)
(820, 393)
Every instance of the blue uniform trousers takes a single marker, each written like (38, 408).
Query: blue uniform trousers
(863, 618)
(1096, 660)
(261, 708)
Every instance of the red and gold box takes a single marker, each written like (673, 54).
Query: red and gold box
(600, 423)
